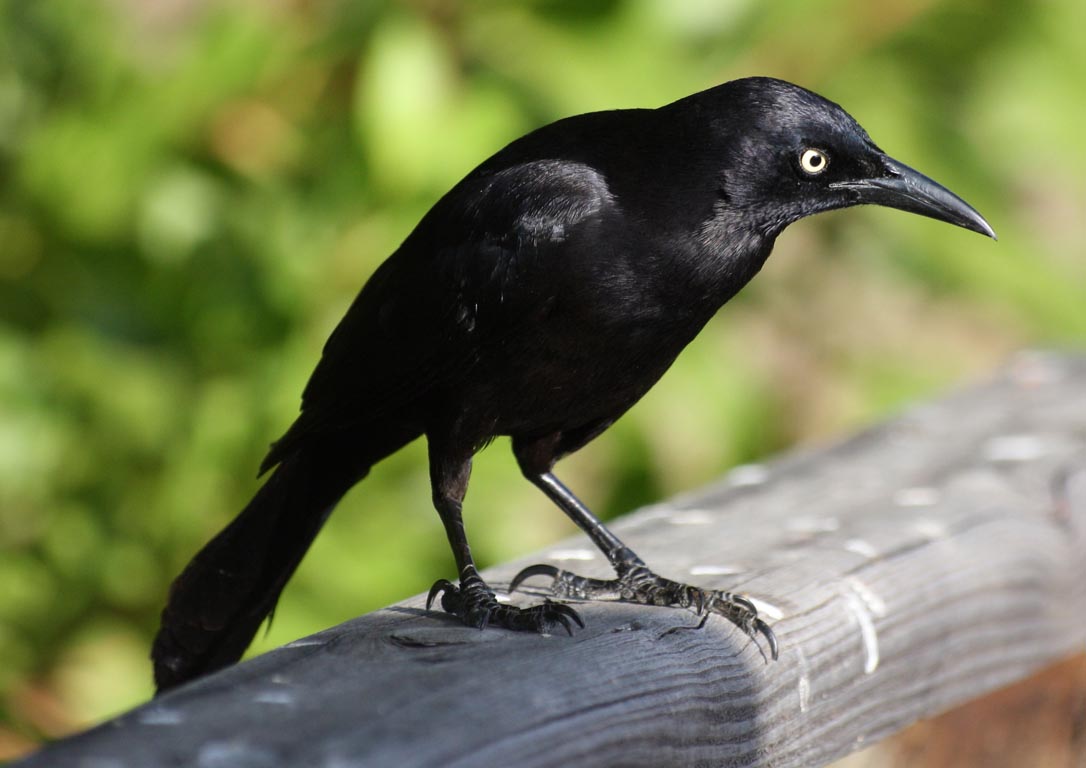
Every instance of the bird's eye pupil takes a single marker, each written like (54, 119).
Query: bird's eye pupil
(813, 161)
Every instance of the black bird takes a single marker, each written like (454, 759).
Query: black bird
(540, 299)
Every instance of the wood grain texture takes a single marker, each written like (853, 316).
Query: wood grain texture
(914, 567)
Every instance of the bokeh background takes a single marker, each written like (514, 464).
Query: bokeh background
(191, 193)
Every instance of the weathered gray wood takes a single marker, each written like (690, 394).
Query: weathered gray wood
(914, 567)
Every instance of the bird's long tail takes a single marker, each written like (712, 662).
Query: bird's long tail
(217, 603)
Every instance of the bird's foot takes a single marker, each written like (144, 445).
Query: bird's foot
(636, 583)
(474, 603)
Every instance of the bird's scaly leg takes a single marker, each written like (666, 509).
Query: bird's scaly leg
(635, 582)
(472, 601)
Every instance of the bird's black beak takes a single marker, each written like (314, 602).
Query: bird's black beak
(908, 190)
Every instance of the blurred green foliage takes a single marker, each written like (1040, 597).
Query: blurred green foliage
(191, 192)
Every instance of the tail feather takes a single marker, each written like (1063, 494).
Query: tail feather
(217, 603)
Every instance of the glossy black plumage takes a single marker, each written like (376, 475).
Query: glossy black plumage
(540, 298)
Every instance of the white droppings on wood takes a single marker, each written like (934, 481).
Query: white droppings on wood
(161, 716)
(305, 641)
(874, 603)
(572, 554)
(813, 524)
(280, 697)
(868, 635)
(919, 496)
(861, 547)
(930, 529)
(748, 474)
(715, 570)
(229, 754)
(803, 687)
(691, 517)
(1014, 448)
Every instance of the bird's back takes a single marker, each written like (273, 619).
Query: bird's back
(565, 266)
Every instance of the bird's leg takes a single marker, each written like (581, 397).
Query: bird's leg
(636, 582)
(472, 600)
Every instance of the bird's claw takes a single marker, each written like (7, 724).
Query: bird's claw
(540, 569)
(560, 613)
(567, 584)
(638, 584)
(760, 626)
(741, 601)
(741, 611)
(441, 585)
(474, 603)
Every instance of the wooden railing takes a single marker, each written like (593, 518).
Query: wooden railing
(917, 566)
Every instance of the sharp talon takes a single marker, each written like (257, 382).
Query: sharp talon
(699, 601)
(441, 585)
(541, 569)
(767, 633)
(565, 610)
(564, 621)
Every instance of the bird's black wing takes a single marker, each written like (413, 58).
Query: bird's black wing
(480, 265)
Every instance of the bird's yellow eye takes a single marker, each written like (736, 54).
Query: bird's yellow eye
(814, 161)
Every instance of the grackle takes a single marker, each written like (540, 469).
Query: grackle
(540, 298)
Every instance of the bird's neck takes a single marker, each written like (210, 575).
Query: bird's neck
(728, 253)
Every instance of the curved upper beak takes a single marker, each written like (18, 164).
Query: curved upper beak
(909, 190)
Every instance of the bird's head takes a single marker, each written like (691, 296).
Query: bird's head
(791, 153)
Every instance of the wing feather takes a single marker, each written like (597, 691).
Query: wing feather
(470, 274)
